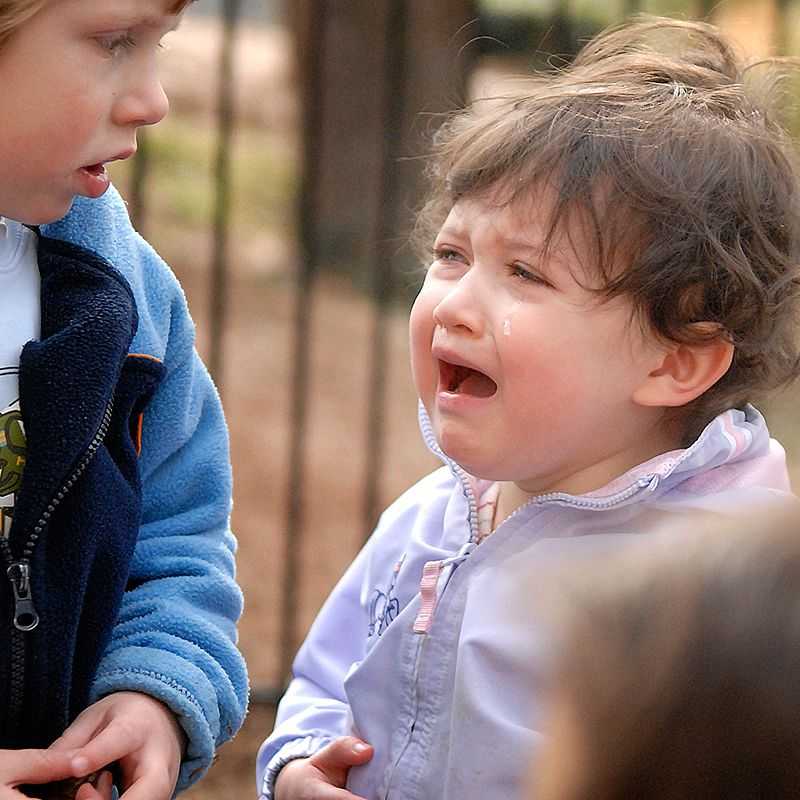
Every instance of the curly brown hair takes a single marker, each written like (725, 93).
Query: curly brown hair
(662, 140)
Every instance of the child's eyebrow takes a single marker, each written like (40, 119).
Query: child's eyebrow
(532, 248)
(536, 250)
(450, 231)
(545, 255)
(169, 22)
(145, 19)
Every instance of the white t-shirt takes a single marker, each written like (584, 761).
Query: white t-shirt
(20, 321)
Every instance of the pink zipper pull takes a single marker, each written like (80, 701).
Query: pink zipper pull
(427, 593)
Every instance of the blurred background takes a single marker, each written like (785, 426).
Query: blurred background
(281, 189)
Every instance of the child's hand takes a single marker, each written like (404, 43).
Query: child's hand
(99, 787)
(135, 731)
(32, 767)
(101, 790)
(323, 776)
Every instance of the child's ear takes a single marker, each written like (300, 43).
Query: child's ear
(685, 372)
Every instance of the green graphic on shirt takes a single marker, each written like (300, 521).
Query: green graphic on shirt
(12, 452)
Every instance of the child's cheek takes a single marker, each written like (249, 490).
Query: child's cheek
(420, 338)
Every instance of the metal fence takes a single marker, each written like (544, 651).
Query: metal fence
(380, 288)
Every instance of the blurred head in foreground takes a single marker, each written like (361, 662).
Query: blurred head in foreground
(679, 672)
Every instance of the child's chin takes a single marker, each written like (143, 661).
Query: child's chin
(44, 216)
(465, 457)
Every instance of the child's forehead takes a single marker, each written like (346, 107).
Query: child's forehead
(527, 219)
(580, 239)
(151, 13)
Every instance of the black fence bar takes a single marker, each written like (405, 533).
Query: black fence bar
(265, 696)
(222, 204)
(313, 36)
(140, 167)
(707, 7)
(781, 33)
(395, 55)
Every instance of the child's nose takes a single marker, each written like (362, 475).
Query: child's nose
(459, 310)
(145, 103)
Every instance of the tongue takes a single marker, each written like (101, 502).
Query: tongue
(477, 384)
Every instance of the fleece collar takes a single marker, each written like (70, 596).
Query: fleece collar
(67, 378)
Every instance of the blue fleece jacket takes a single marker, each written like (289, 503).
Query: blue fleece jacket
(165, 461)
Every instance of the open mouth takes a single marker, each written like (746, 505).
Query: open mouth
(97, 170)
(464, 380)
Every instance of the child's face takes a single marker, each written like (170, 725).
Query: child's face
(78, 79)
(548, 400)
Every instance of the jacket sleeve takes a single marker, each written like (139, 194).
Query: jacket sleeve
(314, 711)
(175, 637)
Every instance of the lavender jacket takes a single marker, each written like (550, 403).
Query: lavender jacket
(438, 681)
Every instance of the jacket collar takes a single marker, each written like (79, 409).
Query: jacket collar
(67, 377)
(734, 449)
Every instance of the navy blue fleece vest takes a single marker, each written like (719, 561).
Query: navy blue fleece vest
(77, 514)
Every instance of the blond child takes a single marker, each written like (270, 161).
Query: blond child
(118, 604)
(614, 278)
(678, 670)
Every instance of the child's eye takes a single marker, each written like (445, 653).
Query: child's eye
(524, 274)
(115, 43)
(447, 254)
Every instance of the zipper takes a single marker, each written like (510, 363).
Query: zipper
(432, 578)
(458, 471)
(18, 571)
(431, 594)
(25, 616)
(429, 586)
(451, 563)
(415, 713)
(647, 483)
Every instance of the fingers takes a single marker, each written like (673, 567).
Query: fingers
(88, 792)
(319, 790)
(101, 791)
(151, 787)
(36, 766)
(81, 731)
(105, 786)
(109, 745)
(327, 792)
(346, 751)
(337, 758)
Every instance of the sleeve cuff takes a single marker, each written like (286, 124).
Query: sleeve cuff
(188, 711)
(297, 748)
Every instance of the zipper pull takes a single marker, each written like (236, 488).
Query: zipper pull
(428, 596)
(25, 616)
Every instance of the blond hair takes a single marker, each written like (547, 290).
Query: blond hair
(14, 13)
(678, 670)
